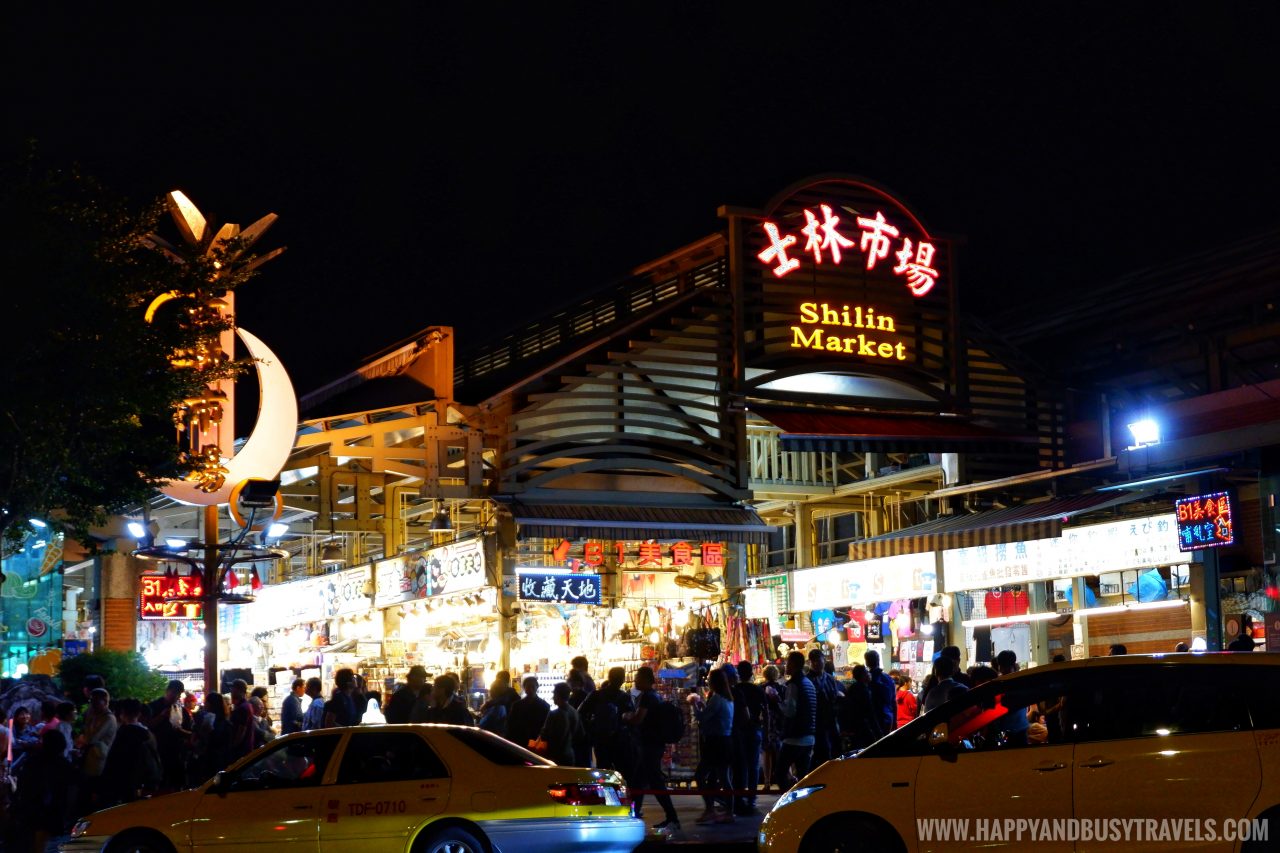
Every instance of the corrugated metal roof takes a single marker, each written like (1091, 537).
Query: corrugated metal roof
(1020, 523)
(602, 521)
(861, 433)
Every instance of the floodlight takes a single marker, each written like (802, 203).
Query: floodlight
(1145, 432)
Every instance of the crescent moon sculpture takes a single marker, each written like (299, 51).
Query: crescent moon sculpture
(269, 444)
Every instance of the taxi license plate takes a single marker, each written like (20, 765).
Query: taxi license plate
(611, 796)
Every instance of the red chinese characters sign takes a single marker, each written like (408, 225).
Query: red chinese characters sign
(1205, 522)
(653, 555)
(827, 242)
(168, 597)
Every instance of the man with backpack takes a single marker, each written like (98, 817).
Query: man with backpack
(654, 721)
(602, 715)
(748, 726)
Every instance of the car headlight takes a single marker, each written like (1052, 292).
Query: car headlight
(81, 827)
(796, 794)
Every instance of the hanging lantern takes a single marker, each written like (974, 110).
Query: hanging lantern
(255, 582)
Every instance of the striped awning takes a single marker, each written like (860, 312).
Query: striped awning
(1022, 523)
(817, 431)
(603, 521)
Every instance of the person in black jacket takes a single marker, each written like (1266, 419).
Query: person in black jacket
(527, 715)
(860, 722)
(46, 790)
(400, 707)
(748, 724)
(443, 708)
(603, 714)
(800, 711)
(133, 764)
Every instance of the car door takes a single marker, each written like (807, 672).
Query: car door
(389, 783)
(1165, 742)
(968, 786)
(271, 803)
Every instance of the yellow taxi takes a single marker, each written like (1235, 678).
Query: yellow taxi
(1159, 752)
(405, 788)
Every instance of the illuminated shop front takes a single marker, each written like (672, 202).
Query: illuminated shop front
(439, 610)
(888, 605)
(31, 605)
(1075, 595)
(170, 627)
(311, 626)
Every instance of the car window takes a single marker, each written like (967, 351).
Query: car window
(1264, 693)
(1159, 701)
(497, 750)
(294, 763)
(388, 757)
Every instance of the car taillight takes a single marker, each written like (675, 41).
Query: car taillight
(574, 794)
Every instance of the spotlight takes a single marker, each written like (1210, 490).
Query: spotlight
(137, 530)
(1145, 432)
(175, 544)
(277, 529)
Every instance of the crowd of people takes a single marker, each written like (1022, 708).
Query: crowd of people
(756, 730)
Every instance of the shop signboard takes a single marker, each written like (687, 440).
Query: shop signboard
(447, 570)
(310, 600)
(864, 582)
(1204, 521)
(1135, 543)
(169, 597)
(558, 588)
(71, 648)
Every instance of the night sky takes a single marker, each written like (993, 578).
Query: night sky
(475, 171)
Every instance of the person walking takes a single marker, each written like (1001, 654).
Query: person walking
(800, 721)
(884, 693)
(1014, 724)
(715, 723)
(46, 791)
(94, 744)
(443, 707)
(291, 708)
(313, 717)
(582, 666)
(528, 714)
(243, 722)
(748, 735)
(648, 773)
(602, 715)
(171, 725)
(211, 737)
(826, 741)
(497, 708)
(771, 739)
(944, 685)
(908, 707)
(860, 718)
(340, 710)
(561, 728)
(133, 762)
(400, 705)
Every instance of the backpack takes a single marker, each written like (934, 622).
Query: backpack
(605, 721)
(670, 721)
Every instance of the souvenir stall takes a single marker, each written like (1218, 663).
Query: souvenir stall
(436, 608)
(295, 629)
(170, 627)
(1117, 582)
(888, 604)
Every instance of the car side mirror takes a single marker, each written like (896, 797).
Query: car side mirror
(220, 783)
(940, 735)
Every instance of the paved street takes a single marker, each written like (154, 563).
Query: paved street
(737, 836)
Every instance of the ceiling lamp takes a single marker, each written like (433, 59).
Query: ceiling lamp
(441, 521)
(331, 554)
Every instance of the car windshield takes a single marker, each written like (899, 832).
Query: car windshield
(497, 750)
